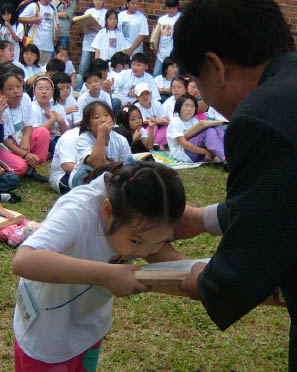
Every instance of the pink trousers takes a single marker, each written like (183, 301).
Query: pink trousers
(159, 134)
(39, 143)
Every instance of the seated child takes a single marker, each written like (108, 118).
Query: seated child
(202, 146)
(23, 149)
(178, 88)
(62, 53)
(169, 71)
(130, 119)
(93, 80)
(7, 53)
(53, 66)
(97, 143)
(152, 110)
(63, 82)
(118, 62)
(30, 64)
(48, 113)
(126, 80)
(64, 159)
(192, 89)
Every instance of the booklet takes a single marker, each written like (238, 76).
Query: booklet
(18, 218)
(84, 21)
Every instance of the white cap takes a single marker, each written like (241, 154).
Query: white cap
(140, 88)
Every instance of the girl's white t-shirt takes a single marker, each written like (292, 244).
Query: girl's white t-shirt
(15, 120)
(133, 25)
(162, 82)
(117, 149)
(166, 37)
(73, 227)
(168, 106)
(176, 128)
(39, 118)
(44, 36)
(69, 68)
(32, 70)
(155, 109)
(109, 42)
(74, 117)
(88, 39)
(6, 35)
(86, 98)
(125, 82)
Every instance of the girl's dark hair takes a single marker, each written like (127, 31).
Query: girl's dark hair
(60, 48)
(4, 77)
(98, 64)
(166, 63)
(14, 70)
(4, 65)
(181, 80)
(117, 59)
(10, 9)
(181, 100)
(33, 49)
(88, 112)
(4, 44)
(55, 64)
(124, 115)
(108, 14)
(56, 94)
(145, 193)
(61, 77)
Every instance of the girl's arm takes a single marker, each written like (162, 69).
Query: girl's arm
(73, 80)
(13, 34)
(62, 125)
(136, 43)
(31, 80)
(53, 267)
(97, 53)
(30, 158)
(164, 90)
(187, 145)
(51, 115)
(25, 143)
(149, 141)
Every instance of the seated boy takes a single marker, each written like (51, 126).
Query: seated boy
(63, 82)
(62, 53)
(118, 62)
(126, 80)
(93, 80)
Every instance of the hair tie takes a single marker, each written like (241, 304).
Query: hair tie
(125, 109)
(131, 179)
(43, 78)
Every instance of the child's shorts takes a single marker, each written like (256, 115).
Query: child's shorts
(84, 362)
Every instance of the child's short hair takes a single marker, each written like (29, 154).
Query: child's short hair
(124, 114)
(181, 80)
(61, 48)
(3, 66)
(55, 64)
(94, 72)
(61, 77)
(144, 193)
(181, 100)
(98, 64)
(140, 58)
(5, 77)
(108, 14)
(33, 49)
(88, 112)
(14, 70)
(168, 61)
(172, 3)
(4, 44)
(117, 59)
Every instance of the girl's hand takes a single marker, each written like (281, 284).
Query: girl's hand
(3, 104)
(136, 135)
(152, 121)
(25, 145)
(123, 282)
(51, 115)
(36, 20)
(7, 24)
(32, 160)
(72, 109)
(105, 128)
(59, 117)
(208, 156)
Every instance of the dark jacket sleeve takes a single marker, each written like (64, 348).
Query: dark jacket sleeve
(259, 218)
(1, 132)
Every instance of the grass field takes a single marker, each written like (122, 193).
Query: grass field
(158, 333)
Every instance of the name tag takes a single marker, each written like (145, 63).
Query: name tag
(27, 306)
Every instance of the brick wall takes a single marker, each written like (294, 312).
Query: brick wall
(153, 9)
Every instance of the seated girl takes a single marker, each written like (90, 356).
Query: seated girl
(130, 119)
(23, 149)
(169, 71)
(152, 110)
(178, 88)
(30, 64)
(203, 146)
(46, 112)
(97, 143)
(192, 89)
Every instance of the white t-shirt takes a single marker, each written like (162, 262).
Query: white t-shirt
(166, 36)
(74, 117)
(65, 152)
(133, 25)
(32, 70)
(109, 42)
(155, 109)
(176, 128)
(6, 35)
(117, 149)
(15, 119)
(143, 133)
(73, 227)
(39, 118)
(162, 82)
(69, 68)
(168, 106)
(125, 82)
(44, 36)
(88, 39)
(214, 114)
(86, 98)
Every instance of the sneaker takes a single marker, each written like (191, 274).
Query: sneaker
(15, 198)
(39, 178)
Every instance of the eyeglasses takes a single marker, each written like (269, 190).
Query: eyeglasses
(188, 105)
(44, 89)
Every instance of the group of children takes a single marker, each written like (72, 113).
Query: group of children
(89, 125)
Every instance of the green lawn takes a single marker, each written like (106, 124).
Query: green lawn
(158, 333)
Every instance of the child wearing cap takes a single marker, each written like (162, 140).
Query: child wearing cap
(152, 110)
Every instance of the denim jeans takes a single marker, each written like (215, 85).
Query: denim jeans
(83, 172)
(158, 68)
(85, 61)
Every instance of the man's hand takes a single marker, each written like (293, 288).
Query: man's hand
(189, 284)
